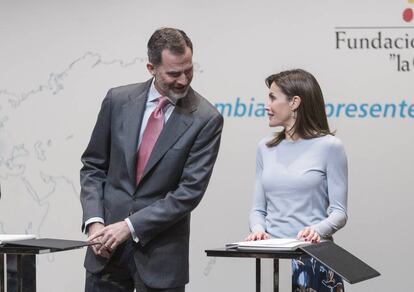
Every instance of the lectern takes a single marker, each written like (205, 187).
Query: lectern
(346, 265)
(18, 260)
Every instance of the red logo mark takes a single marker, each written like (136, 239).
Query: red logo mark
(407, 15)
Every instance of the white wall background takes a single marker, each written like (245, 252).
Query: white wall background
(58, 59)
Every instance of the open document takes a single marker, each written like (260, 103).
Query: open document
(4, 238)
(269, 244)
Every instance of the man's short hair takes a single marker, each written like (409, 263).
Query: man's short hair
(175, 40)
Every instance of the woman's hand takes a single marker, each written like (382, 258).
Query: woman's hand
(309, 234)
(257, 236)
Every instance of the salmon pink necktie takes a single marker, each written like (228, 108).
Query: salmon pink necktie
(150, 136)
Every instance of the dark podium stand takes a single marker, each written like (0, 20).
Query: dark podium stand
(18, 259)
(258, 254)
(346, 265)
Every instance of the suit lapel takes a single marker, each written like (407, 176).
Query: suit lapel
(179, 121)
(134, 112)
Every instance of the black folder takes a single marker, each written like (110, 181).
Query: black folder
(52, 243)
(346, 265)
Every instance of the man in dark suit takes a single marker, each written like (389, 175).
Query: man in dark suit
(146, 167)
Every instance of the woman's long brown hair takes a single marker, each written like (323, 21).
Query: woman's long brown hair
(311, 120)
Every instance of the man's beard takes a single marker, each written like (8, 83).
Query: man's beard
(169, 91)
(178, 95)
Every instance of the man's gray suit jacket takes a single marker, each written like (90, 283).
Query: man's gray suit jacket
(174, 180)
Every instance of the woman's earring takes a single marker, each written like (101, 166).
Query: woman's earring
(294, 114)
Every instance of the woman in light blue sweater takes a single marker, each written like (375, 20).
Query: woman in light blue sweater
(301, 176)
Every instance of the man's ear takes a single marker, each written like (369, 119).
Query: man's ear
(151, 68)
(295, 102)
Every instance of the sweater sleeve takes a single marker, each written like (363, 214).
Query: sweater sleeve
(259, 210)
(337, 183)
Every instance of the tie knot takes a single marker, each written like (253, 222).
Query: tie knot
(162, 102)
